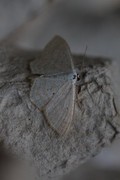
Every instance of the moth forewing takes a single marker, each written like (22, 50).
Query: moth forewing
(59, 111)
(55, 58)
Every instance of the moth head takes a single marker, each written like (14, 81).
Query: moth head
(76, 76)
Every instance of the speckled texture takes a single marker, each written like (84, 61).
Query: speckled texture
(25, 132)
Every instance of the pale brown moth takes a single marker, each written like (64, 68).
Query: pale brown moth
(54, 91)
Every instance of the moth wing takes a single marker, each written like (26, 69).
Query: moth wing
(59, 111)
(55, 58)
(44, 88)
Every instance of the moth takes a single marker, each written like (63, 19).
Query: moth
(54, 91)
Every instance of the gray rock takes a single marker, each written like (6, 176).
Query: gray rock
(23, 128)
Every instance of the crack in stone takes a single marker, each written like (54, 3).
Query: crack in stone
(116, 132)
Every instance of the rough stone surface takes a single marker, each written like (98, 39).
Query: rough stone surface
(23, 129)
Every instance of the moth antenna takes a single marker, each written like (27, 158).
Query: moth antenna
(84, 55)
